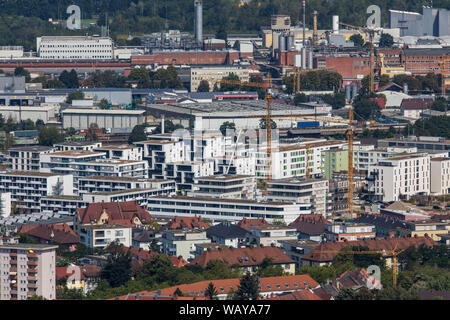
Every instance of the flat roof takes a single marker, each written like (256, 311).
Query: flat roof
(31, 148)
(125, 179)
(76, 153)
(26, 246)
(102, 111)
(272, 227)
(119, 147)
(224, 177)
(29, 174)
(237, 201)
(105, 226)
(303, 243)
(77, 143)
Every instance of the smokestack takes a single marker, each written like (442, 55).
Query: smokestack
(304, 22)
(335, 24)
(198, 21)
(303, 52)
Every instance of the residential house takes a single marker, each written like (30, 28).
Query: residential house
(271, 235)
(61, 234)
(228, 234)
(83, 278)
(310, 227)
(182, 242)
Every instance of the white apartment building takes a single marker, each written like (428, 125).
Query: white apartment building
(366, 155)
(213, 74)
(400, 177)
(27, 188)
(26, 158)
(182, 242)
(291, 160)
(87, 163)
(5, 208)
(440, 176)
(121, 152)
(75, 48)
(100, 236)
(27, 270)
(222, 209)
(271, 235)
(99, 184)
(77, 146)
(311, 194)
(224, 187)
(349, 232)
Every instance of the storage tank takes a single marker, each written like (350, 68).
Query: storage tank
(282, 43)
(348, 92)
(290, 43)
(297, 60)
(335, 23)
(405, 88)
(310, 59)
(303, 58)
(354, 91)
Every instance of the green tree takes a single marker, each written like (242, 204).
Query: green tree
(91, 134)
(69, 79)
(227, 125)
(357, 39)
(203, 86)
(103, 104)
(248, 288)
(300, 98)
(367, 109)
(386, 41)
(48, 136)
(118, 269)
(231, 86)
(21, 72)
(141, 75)
(211, 292)
(75, 95)
(262, 124)
(336, 101)
(138, 134)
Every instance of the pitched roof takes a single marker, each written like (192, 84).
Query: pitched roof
(310, 224)
(224, 286)
(403, 206)
(326, 251)
(242, 256)
(59, 233)
(186, 223)
(226, 230)
(246, 223)
(139, 256)
(117, 211)
(85, 272)
(302, 294)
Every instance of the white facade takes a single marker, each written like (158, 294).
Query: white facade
(27, 188)
(100, 236)
(365, 155)
(224, 186)
(26, 158)
(182, 242)
(75, 48)
(350, 232)
(440, 176)
(11, 52)
(271, 235)
(222, 209)
(81, 119)
(121, 152)
(213, 74)
(400, 176)
(5, 208)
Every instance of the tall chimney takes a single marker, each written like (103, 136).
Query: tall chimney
(335, 24)
(198, 21)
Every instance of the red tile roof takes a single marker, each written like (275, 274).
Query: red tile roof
(186, 223)
(117, 211)
(246, 223)
(326, 251)
(303, 294)
(85, 272)
(310, 224)
(416, 103)
(62, 233)
(224, 286)
(242, 256)
(140, 256)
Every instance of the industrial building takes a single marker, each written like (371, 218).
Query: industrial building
(75, 48)
(244, 114)
(432, 22)
(213, 74)
(113, 119)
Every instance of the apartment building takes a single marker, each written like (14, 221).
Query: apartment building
(26, 158)
(121, 152)
(224, 186)
(440, 176)
(310, 194)
(100, 236)
(296, 249)
(292, 160)
(222, 209)
(349, 232)
(88, 163)
(271, 235)
(431, 228)
(213, 74)
(335, 161)
(102, 184)
(75, 47)
(27, 188)
(423, 144)
(77, 146)
(27, 270)
(400, 177)
(182, 242)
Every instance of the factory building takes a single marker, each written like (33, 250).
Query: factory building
(213, 74)
(81, 119)
(432, 22)
(77, 47)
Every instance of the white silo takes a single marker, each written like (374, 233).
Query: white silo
(335, 24)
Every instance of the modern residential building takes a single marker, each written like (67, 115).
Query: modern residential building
(271, 235)
(431, 228)
(26, 158)
(349, 231)
(27, 270)
(27, 188)
(182, 242)
(100, 236)
(400, 177)
(296, 249)
(224, 186)
(121, 152)
(311, 194)
(335, 161)
(75, 48)
(423, 144)
(77, 146)
(440, 176)
(222, 209)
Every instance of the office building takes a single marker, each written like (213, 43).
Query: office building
(75, 48)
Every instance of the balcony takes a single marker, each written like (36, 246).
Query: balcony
(32, 278)
(32, 270)
(32, 255)
(12, 270)
(32, 263)
(32, 285)
(13, 254)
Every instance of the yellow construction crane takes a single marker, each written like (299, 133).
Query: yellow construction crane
(389, 253)
(371, 32)
(315, 34)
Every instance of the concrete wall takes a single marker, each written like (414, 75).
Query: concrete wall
(80, 120)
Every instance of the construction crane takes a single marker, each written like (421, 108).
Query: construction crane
(384, 253)
(371, 32)
(315, 34)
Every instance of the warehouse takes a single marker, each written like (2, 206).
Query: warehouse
(244, 114)
(112, 119)
(45, 112)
